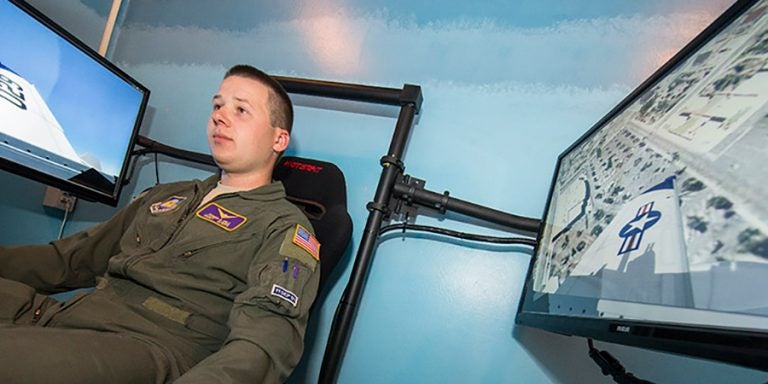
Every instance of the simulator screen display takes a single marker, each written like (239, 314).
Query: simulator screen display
(63, 112)
(661, 212)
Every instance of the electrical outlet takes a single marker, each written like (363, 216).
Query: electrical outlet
(56, 198)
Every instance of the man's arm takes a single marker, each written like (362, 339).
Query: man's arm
(267, 321)
(71, 262)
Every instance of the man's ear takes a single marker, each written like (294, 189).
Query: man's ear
(282, 139)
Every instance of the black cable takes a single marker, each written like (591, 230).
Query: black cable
(157, 171)
(460, 235)
(131, 168)
(610, 366)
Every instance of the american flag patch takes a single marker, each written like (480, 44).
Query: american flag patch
(306, 241)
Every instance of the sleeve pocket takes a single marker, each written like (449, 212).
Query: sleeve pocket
(279, 288)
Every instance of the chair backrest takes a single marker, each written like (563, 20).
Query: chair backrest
(319, 189)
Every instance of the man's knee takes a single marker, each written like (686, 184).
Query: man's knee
(40, 355)
(20, 303)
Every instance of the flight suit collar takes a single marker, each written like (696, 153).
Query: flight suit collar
(272, 191)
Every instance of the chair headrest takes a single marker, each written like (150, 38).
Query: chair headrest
(312, 183)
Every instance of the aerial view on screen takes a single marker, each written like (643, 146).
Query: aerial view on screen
(667, 202)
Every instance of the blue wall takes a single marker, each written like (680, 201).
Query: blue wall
(507, 86)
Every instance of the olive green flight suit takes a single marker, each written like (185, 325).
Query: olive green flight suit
(203, 294)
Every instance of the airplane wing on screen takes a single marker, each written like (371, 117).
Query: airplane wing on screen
(25, 117)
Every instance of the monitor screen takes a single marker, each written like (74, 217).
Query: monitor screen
(656, 227)
(68, 117)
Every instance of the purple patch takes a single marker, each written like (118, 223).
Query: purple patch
(221, 216)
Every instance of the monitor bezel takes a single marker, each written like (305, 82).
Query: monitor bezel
(109, 197)
(739, 347)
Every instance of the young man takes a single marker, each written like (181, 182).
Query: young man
(196, 282)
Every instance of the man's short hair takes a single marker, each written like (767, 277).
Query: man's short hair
(280, 106)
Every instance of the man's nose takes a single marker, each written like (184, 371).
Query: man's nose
(219, 116)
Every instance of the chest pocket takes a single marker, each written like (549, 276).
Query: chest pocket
(223, 265)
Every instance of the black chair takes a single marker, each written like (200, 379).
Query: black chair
(319, 189)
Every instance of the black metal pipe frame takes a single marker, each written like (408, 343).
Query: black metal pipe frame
(347, 309)
(151, 146)
(409, 98)
(443, 202)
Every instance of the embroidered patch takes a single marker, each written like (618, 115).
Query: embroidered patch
(166, 205)
(284, 294)
(306, 241)
(221, 216)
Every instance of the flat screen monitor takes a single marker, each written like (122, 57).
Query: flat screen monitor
(68, 117)
(655, 232)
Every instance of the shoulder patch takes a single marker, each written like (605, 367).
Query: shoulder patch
(307, 241)
(301, 245)
(167, 205)
(221, 217)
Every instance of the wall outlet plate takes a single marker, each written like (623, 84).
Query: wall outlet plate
(56, 198)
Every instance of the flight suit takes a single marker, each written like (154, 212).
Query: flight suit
(213, 293)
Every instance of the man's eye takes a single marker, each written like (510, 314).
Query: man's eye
(216, 107)
(241, 110)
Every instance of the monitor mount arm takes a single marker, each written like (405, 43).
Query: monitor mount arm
(409, 194)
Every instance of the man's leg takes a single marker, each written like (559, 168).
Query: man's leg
(32, 355)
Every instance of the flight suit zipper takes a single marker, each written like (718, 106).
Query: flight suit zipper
(182, 223)
(136, 259)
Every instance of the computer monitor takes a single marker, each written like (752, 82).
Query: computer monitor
(68, 117)
(655, 232)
